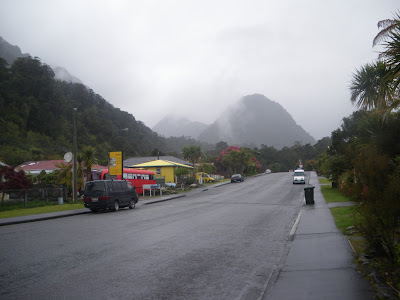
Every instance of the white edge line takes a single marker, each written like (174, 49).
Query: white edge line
(295, 225)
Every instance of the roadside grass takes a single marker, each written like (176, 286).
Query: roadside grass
(344, 217)
(333, 195)
(40, 210)
(324, 180)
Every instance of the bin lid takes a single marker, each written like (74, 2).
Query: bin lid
(309, 187)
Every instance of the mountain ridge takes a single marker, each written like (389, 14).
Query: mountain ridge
(256, 120)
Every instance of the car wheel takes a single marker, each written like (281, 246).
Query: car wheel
(132, 204)
(94, 210)
(116, 205)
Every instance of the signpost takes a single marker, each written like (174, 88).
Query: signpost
(115, 164)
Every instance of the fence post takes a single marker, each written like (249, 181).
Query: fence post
(65, 190)
(26, 199)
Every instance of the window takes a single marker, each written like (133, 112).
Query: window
(158, 171)
(129, 185)
(130, 176)
(95, 186)
(125, 175)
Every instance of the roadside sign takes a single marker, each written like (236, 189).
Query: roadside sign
(115, 163)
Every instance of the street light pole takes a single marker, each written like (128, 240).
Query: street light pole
(74, 187)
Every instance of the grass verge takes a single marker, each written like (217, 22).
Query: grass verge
(344, 217)
(40, 210)
(324, 180)
(333, 195)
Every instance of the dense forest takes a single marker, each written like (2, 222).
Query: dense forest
(36, 117)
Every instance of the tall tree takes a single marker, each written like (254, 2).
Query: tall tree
(367, 88)
(191, 153)
(390, 34)
(89, 159)
(65, 175)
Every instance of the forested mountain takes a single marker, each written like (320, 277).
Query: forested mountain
(36, 118)
(175, 126)
(10, 53)
(256, 120)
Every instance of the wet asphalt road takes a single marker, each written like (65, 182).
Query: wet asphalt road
(223, 243)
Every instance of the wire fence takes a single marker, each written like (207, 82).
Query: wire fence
(29, 198)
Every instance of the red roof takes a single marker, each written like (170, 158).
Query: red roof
(48, 166)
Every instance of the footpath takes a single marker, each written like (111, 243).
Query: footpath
(320, 261)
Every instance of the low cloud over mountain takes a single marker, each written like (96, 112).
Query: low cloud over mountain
(256, 120)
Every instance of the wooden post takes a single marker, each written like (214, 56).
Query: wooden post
(26, 199)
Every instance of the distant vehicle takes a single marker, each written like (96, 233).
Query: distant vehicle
(298, 176)
(236, 178)
(134, 176)
(109, 194)
(205, 177)
(267, 171)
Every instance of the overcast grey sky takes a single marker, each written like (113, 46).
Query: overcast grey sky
(194, 58)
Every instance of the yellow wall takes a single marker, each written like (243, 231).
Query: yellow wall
(167, 172)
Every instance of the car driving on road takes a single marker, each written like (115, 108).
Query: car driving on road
(298, 176)
(236, 178)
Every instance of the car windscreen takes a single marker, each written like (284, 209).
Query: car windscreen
(96, 187)
(298, 174)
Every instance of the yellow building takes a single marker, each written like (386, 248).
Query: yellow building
(161, 167)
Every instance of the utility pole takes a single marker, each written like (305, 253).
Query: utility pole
(74, 186)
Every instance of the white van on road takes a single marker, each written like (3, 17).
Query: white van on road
(299, 176)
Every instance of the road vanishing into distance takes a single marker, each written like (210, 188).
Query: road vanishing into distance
(216, 243)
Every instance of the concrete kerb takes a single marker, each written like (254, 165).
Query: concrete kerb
(43, 217)
(68, 213)
(164, 200)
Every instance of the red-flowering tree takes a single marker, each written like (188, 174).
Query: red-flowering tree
(13, 180)
(237, 160)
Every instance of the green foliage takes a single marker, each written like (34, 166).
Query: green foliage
(344, 217)
(64, 175)
(207, 168)
(36, 119)
(182, 172)
(192, 153)
(47, 179)
(89, 159)
(288, 157)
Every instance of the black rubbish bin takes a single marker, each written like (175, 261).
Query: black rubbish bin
(309, 194)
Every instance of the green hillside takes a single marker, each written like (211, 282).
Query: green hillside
(36, 118)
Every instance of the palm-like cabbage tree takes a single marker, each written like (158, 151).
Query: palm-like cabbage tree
(89, 159)
(377, 85)
(367, 88)
(388, 26)
(65, 175)
(390, 34)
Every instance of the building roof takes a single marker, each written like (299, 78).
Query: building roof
(139, 160)
(35, 167)
(160, 163)
(98, 168)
